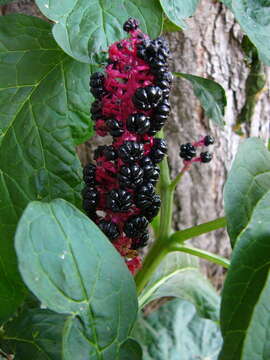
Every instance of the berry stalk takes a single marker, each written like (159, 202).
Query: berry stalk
(132, 105)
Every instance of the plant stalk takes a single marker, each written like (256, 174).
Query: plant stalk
(216, 259)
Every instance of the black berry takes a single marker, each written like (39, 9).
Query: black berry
(158, 151)
(146, 98)
(140, 242)
(130, 176)
(131, 24)
(138, 123)
(187, 151)
(209, 140)
(119, 200)
(131, 151)
(115, 128)
(109, 228)
(136, 226)
(206, 157)
(90, 199)
(89, 173)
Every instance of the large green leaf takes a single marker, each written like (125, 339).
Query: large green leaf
(178, 10)
(245, 309)
(254, 18)
(131, 349)
(248, 181)
(175, 331)
(179, 276)
(84, 28)
(35, 334)
(68, 263)
(211, 95)
(44, 104)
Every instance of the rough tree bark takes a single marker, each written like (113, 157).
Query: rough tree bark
(210, 47)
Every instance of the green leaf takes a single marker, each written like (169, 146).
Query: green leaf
(68, 263)
(35, 334)
(255, 84)
(248, 181)
(178, 275)
(84, 28)
(254, 18)
(175, 331)
(131, 349)
(44, 102)
(178, 10)
(245, 309)
(211, 95)
(169, 26)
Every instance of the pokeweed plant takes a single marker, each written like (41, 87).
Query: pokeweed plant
(76, 284)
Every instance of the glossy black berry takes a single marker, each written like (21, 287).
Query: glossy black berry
(146, 98)
(140, 242)
(90, 199)
(131, 151)
(131, 24)
(89, 173)
(115, 127)
(209, 140)
(119, 200)
(136, 226)
(109, 228)
(144, 196)
(138, 123)
(163, 109)
(97, 79)
(97, 84)
(110, 153)
(150, 171)
(206, 157)
(158, 150)
(152, 210)
(130, 176)
(187, 151)
(167, 76)
(96, 110)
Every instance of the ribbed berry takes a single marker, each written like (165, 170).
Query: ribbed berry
(209, 140)
(138, 123)
(115, 128)
(119, 200)
(147, 98)
(152, 210)
(206, 157)
(136, 226)
(144, 195)
(150, 171)
(110, 229)
(140, 242)
(89, 174)
(130, 176)
(97, 84)
(158, 151)
(131, 151)
(187, 151)
(148, 201)
(131, 24)
(90, 199)
(96, 110)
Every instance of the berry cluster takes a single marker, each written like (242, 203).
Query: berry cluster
(131, 104)
(188, 151)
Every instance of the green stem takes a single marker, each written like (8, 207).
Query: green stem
(160, 247)
(219, 260)
(181, 236)
(154, 257)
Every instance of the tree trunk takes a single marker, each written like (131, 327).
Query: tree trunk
(209, 47)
